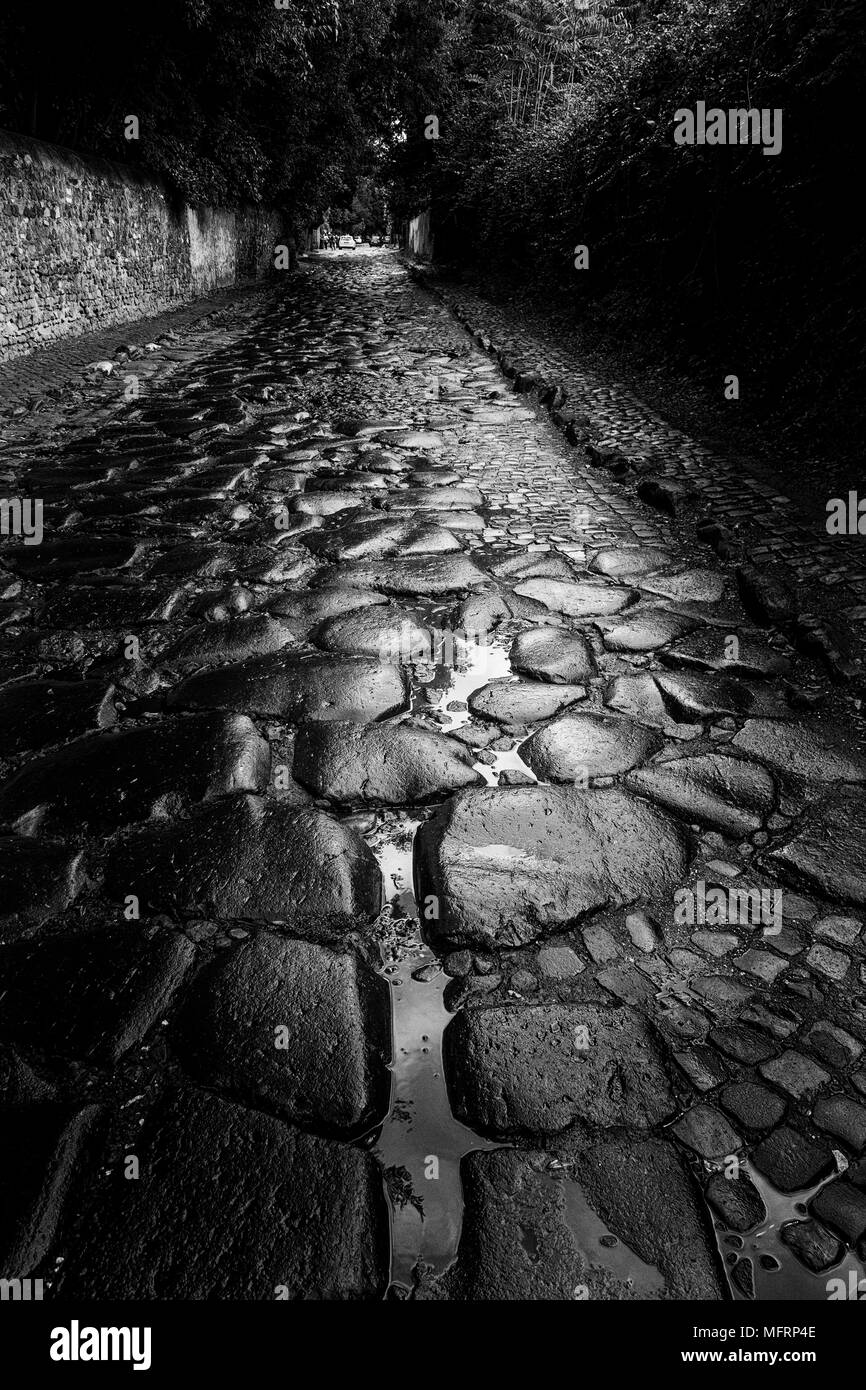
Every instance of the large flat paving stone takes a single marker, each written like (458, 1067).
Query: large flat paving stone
(507, 865)
(42, 1147)
(231, 1205)
(711, 650)
(317, 605)
(647, 629)
(576, 600)
(299, 687)
(388, 633)
(117, 777)
(691, 695)
(430, 575)
(629, 562)
(295, 1027)
(521, 1243)
(638, 697)
(456, 499)
(212, 644)
(827, 850)
(687, 586)
(326, 503)
(370, 538)
(37, 880)
(686, 697)
(34, 714)
(380, 764)
(576, 746)
(547, 654)
(54, 558)
(809, 748)
(90, 996)
(82, 606)
(537, 1069)
(711, 789)
(244, 857)
(523, 702)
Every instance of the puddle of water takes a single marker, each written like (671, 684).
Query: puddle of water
(790, 1281)
(510, 760)
(421, 1144)
(599, 1248)
(474, 664)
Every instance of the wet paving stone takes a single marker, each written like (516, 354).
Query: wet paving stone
(696, 585)
(508, 865)
(647, 629)
(736, 1201)
(43, 1145)
(795, 1074)
(447, 499)
(705, 1131)
(630, 562)
(576, 600)
(690, 696)
(754, 1107)
(529, 1236)
(237, 1205)
(826, 853)
(217, 643)
(387, 632)
(817, 751)
(111, 779)
(293, 1027)
(742, 1044)
(712, 789)
(791, 1161)
(545, 654)
(541, 1068)
(34, 714)
(842, 1118)
(44, 562)
(86, 606)
(37, 880)
(523, 702)
(380, 765)
(244, 857)
(576, 746)
(428, 575)
(372, 537)
(841, 1206)
(298, 687)
(814, 1246)
(91, 996)
(317, 606)
(711, 651)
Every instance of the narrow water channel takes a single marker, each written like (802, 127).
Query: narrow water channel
(421, 1144)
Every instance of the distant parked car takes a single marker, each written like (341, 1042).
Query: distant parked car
(346, 243)
(375, 239)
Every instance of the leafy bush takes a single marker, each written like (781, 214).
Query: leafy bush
(745, 262)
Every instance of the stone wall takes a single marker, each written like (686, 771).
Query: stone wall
(85, 244)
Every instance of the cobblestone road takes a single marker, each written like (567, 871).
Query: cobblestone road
(420, 875)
